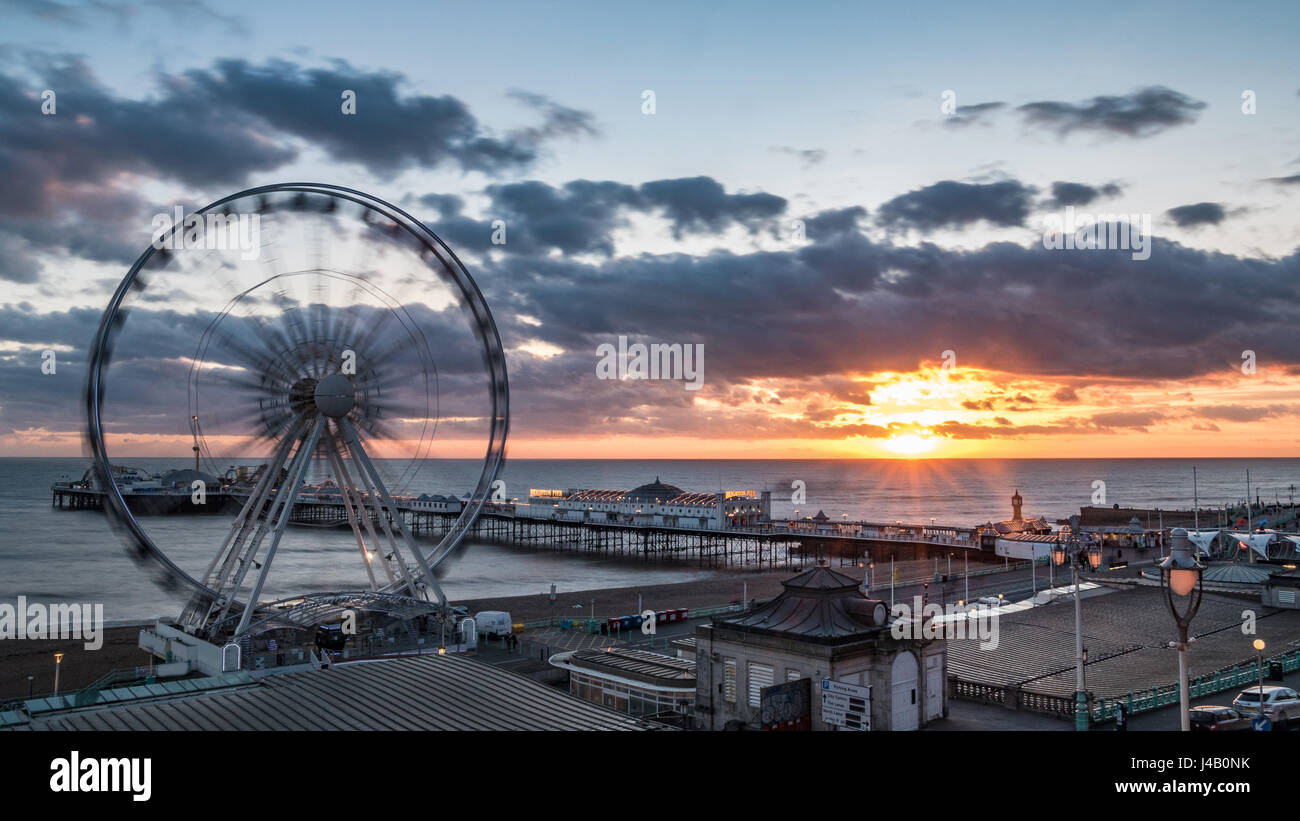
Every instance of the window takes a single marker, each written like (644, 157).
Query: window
(760, 676)
(791, 674)
(729, 679)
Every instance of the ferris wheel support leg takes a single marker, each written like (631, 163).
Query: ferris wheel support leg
(377, 506)
(301, 459)
(369, 467)
(198, 611)
(239, 528)
(344, 483)
(232, 578)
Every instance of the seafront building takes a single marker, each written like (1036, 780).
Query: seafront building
(655, 504)
(819, 629)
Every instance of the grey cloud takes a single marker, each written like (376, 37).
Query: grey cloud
(956, 204)
(1142, 113)
(580, 216)
(971, 114)
(1076, 193)
(1201, 213)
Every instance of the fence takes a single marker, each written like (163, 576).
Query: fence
(1238, 676)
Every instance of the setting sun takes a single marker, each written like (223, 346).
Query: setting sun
(909, 444)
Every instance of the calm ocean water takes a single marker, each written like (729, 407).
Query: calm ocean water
(50, 554)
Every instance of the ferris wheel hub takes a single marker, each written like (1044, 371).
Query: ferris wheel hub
(335, 395)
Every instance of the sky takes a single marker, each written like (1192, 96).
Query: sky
(857, 210)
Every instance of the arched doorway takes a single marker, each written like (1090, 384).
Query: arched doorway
(905, 701)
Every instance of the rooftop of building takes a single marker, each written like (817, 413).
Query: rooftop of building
(640, 665)
(819, 605)
(429, 692)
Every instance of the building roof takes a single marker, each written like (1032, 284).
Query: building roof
(819, 605)
(428, 692)
(1235, 574)
(1021, 525)
(641, 665)
(655, 491)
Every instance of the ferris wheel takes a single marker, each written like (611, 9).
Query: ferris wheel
(328, 335)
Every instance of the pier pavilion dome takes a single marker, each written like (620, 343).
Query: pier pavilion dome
(655, 491)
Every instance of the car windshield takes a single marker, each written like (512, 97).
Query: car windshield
(1248, 696)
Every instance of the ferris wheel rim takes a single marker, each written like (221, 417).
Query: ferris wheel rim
(101, 348)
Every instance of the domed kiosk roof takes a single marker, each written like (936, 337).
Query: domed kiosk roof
(655, 491)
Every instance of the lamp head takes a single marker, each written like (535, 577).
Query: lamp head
(1181, 567)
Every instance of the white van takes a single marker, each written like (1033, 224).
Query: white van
(493, 623)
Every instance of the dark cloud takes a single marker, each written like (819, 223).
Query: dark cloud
(95, 136)
(1201, 213)
(71, 177)
(447, 205)
(389, 132)
(835, 221)
(951, 204)
(696, 204)
(1076, 193)
(559, 120)
(1143, 113)
(577, 218)
(1294, 179)
(581, 215)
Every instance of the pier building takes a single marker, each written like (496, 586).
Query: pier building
(655, 504)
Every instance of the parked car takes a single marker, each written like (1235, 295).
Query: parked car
(1280, 704)
(1214, 717)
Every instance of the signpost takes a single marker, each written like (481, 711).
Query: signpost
(846, 705)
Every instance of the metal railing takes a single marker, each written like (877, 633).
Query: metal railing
(1240, 675)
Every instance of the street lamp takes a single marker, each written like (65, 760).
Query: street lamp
(1180, 576)
(1259, 648)
(1079, 555)
(58, 660)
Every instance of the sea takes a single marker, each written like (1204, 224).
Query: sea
(47, 554)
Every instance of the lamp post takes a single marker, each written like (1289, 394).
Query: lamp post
(1259, 648)
(58, 660)
(1180, 576)
(1079, 556)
